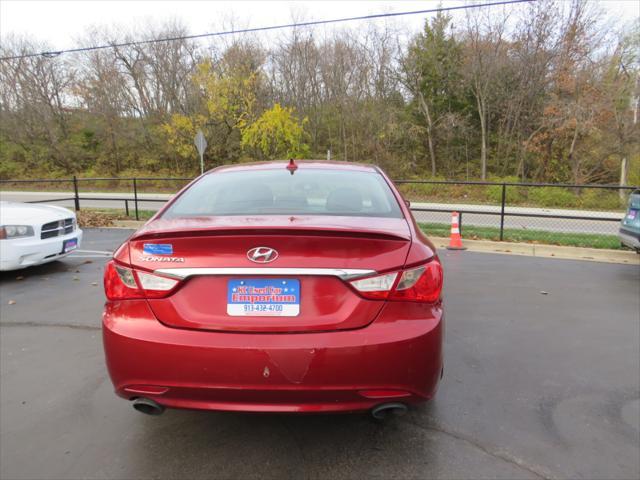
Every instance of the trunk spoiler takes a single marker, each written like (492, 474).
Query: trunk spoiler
(149, 233)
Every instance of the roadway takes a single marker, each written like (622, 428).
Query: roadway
(482, 215)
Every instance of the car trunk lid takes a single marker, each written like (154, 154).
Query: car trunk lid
(316, 256)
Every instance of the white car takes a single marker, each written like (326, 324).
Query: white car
(32, 234)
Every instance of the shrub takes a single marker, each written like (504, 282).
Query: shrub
(494, 192)
(600, 199)
(552, 197)
(9, 170)
(423, 191)
(634, 171)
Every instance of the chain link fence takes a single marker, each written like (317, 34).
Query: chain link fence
(577, 215)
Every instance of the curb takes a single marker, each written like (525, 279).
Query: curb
(545, 251)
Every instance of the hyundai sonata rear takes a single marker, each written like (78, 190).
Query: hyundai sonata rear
(277, 288)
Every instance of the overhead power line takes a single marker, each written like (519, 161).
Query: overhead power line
(55, 53)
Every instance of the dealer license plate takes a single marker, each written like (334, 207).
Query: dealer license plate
(69, 245)
(263, 297)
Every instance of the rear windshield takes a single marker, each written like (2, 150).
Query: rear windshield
(277, 192)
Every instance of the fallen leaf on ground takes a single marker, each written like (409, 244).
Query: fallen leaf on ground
(76, 278)
(11, 302)
(544, 293)
(88, 218)
(19, 277)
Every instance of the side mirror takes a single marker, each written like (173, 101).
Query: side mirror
(407, 203)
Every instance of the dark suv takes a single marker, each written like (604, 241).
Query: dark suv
(630, 227)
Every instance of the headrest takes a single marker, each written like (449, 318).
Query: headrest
(344, 200)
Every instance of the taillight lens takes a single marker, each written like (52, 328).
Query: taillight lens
(120, 283)
(416, 284)
(420, 284)
(155, 286)
(124, 283)
(377, 287)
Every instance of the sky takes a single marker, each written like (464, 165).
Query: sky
(60, 23)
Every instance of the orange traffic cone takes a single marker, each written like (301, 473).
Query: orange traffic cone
(455, 241)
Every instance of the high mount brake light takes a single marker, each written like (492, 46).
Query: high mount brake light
(124, 283)
(416, 284)
(291, 166)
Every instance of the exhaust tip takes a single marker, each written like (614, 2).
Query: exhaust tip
(384, 410)
(147, 406)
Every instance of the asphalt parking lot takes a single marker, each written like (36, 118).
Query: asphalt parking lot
(537, 385)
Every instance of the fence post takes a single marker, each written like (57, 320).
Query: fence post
(76, 197)
(135, 196)
(460, 222)
(126, 207)
(504, 198)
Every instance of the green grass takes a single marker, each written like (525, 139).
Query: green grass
(119, 213)
(143, 214)
(526, 236)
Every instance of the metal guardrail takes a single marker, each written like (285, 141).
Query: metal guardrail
(502, 213)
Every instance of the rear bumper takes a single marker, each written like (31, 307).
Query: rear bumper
(629, 238)
(396, 358)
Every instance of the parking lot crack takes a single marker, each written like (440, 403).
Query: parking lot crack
(498, 454)
(54, 325)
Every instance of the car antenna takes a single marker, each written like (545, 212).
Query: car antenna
(292, 167)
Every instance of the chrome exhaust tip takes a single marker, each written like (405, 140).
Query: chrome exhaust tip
(382, 411)
(148, 406)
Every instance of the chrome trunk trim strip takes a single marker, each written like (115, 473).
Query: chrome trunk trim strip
(343, 273)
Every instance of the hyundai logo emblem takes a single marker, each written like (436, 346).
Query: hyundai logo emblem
(262, 254)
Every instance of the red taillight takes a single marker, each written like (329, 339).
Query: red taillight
(420, 284)
(124, 283)
(120, 283)
(417, 284)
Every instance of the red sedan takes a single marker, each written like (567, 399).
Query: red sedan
(277, 287)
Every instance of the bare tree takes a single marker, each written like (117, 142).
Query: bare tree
(486, 48)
